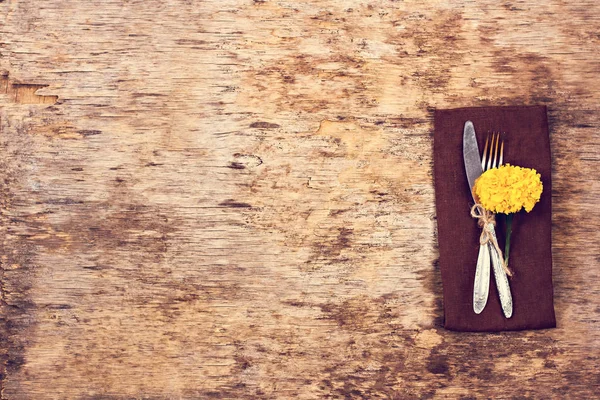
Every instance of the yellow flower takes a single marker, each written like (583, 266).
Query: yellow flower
(508, 189)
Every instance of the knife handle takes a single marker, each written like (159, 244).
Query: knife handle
(501, 279)
(481, 287)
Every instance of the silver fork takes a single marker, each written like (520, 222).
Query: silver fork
(493, 156)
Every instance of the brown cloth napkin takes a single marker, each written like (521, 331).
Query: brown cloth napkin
(527, 144)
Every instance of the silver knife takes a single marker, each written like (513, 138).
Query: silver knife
(482, 273)
(481, 288)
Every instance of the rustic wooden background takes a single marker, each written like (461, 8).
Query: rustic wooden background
(234, 199)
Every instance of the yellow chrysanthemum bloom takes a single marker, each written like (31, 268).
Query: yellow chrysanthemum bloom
(508, 189)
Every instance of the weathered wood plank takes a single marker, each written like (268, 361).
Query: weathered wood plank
(234, 199)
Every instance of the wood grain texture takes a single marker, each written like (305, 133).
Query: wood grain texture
(234, 199)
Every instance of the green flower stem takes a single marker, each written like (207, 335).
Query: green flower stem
(509, 220)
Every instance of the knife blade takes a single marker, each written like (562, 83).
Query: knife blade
(471, 155)
(481, 286)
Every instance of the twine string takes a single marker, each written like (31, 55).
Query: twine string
(487, 221)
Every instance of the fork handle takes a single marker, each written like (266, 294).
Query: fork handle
(501, 279)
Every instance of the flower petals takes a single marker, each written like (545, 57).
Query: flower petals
(508, 189)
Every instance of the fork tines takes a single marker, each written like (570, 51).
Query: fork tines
(490, 150)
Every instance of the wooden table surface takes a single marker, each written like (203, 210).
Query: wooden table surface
(234, 199)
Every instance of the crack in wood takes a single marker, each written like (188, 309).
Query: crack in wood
(24, 93)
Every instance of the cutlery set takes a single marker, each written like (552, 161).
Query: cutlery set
(475, 165)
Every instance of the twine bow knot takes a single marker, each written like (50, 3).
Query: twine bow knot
(487, 221)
